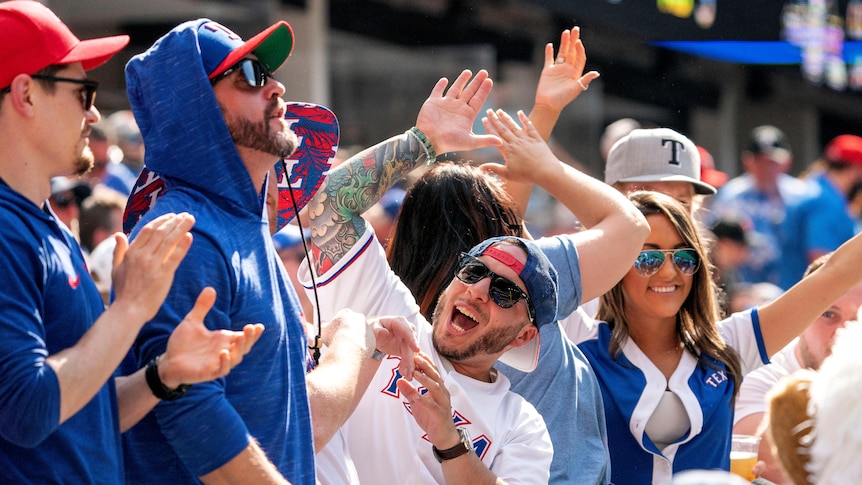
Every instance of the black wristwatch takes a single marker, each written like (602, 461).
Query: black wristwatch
(462, 448)
(158, 387)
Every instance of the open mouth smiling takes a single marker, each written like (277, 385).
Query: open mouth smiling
(463, 320)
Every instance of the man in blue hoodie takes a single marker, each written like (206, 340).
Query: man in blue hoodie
(214, 125)
(212, 122)
(61, 410)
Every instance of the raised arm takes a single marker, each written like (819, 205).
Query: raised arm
(615, 229)
(562, 80)
(444, 125)
(785, 317)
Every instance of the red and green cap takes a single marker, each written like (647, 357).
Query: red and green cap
(221, 48)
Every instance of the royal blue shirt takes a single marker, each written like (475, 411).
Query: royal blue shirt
(47, 302)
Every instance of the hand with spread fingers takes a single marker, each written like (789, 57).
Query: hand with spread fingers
(447, 116)
(196, 354)
(432, 409)
(563, 79)
(527, 155)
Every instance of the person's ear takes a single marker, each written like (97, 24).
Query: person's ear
(20, 95)
(526, 334)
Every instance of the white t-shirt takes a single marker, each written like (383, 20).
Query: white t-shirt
(756, 384)
(381, 436)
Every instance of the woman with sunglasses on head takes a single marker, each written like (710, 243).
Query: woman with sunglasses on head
(668, 369)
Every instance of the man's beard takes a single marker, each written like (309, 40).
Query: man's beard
(491, 343)
(85, 162)
(259, 136)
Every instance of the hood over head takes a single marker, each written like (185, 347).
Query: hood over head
(187, 140)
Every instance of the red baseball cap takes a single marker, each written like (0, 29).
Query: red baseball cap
(845, 149)
(708, 172)
(33, 37)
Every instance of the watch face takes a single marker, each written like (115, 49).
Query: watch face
(465, 437)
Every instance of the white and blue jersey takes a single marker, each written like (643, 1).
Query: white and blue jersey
(632, 387)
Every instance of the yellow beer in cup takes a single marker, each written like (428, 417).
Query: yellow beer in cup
(743, 455)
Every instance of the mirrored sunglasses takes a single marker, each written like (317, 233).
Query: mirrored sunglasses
(503, 291)
(88, 93)
(650, 261)
(252, 71)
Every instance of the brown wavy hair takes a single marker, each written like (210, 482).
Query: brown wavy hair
(450, 209)
(696, 320)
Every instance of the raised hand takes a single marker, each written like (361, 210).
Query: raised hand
(433, 409)
(196, 354)
(144, 270)
(563, 78)
(526, 154)
(396, 336)
(447, 117)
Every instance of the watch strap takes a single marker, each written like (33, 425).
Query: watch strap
(158, 387)
(462, 448)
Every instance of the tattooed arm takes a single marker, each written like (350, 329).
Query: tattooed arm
(446, 118)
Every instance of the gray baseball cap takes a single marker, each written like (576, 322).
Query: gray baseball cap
(770, 141)
(655, 155)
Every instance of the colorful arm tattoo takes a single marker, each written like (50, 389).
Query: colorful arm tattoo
(351, 189)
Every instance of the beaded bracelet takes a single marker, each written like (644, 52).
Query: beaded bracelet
(429, 148)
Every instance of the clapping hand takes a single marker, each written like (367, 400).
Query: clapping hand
(144, 270)
(196, 354)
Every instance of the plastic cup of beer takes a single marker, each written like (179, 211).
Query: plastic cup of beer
(743, 455)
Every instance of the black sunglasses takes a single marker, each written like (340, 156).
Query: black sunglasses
(650, 261)
(252, 70)
(503, 291)
(88, 94)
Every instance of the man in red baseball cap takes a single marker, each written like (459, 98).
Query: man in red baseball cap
(61, 411)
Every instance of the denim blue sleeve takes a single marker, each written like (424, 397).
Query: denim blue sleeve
(563, 254)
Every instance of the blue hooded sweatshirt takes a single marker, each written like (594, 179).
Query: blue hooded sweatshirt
(264, 398)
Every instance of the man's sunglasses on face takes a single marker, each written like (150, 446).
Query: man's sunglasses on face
(88, 93)
(503, 291)
(252, 71)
